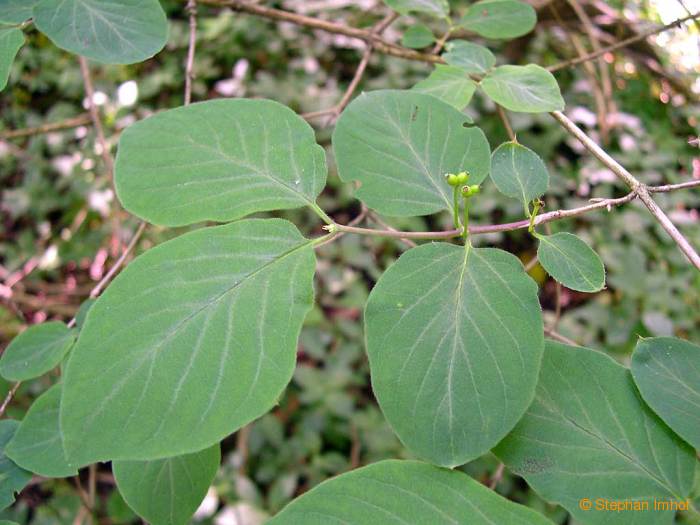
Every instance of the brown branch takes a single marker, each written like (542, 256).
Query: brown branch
(542, 218)
(81, 120)
(622, 43)
(506, 123)
(191, 9)
(94, 115)
(636, 186)
(561, 338)
(497, 476)
(8, 397)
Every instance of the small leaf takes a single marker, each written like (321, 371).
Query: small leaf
(194, 339)
(454, 338)
(218, 160)
(471, 58)
(449, 84)
(588, 435)
(35, 351)
(417, 36)
(37, 444)
(527, 89)
(109, 31)
(571, 262)
(437, 8)
(167, 491)
(400, 144)
(12, 478)
(500, 18)
(16, 11)
(11, 40)
(519, 172)
(666, 371)
(405, 492)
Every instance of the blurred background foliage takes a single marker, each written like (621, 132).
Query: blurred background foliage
(62, 227)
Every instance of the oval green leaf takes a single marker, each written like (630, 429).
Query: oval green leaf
(417, 36)
(454, 338)
(667, 373)
(449, 84)
(469, 57)
(571, 262)
(400, 144)
(519, 172)
(437, 8)
(11, 40)
(109, 31)
(16, 11)
(167, 491)
(12, 478)
(527, 89)
(500, 18)
(37, 445)
(218, 160)
(35, 351)
(194, 339)
(588, 435)
(405, 492)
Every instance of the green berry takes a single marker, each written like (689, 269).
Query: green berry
(452, 179)
(462, 177)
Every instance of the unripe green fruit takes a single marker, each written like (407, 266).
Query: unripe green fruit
(452, 179)
(468, 191)
(462, 177)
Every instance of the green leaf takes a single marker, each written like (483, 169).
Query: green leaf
(527, 89)
(11, 40)
(194, 339)
(519, 172)
(82, 312)
(16, 11)
(37, 445)
(449, 84)
(400, 144)
(589, 435)
(167, 491)
(417, 36)
(12, 478)
(405, 492)
(218, 160)
(469, 57)
(35, 351)
(108, 31)
(571, 262)
(437, 8)
(500, 18)
(454, 338)
(667, 372)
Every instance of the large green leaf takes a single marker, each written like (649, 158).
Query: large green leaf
(194, 339)
(37, 445)
(218, 160)
(469, 57)
(400, 144)
(167, 491)
(438, 8)
(12, 478)
(417, 36)
(589, 435)
(109, 31)
(667, 373)
(450, 84)
(519, 172)
(36, 351)
(528, 89)
(16, 11)
(404, 492)
(500, 18)
(11, 40)
(571, 262)
(454, 338)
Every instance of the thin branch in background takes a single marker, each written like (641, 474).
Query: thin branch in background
(506, 123)
(441, 41)
(636, 186)
(497, 476)
(357, 77)
(191, 9)
(95, 115)
(685, 8)
(75, 122)
(622, 43)
(8, 398)
(531, 264)
(561, 338)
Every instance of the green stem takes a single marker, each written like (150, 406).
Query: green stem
(317, 209)
(455, 199)
(466, 220)
(533, 215)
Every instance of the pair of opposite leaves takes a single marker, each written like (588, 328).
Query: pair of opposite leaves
(215, 307)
